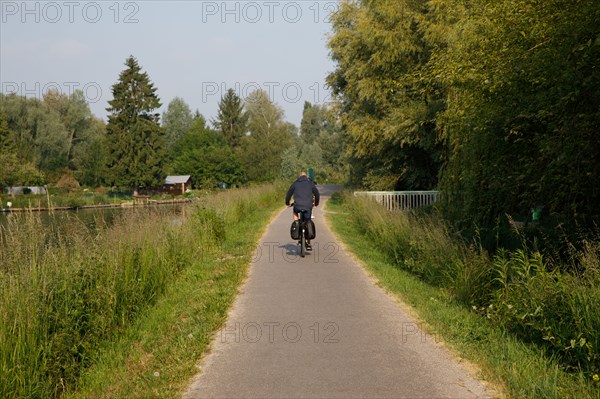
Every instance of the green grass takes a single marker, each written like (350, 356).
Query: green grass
(521, 370)
(127, 310)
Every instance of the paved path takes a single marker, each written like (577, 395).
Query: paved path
(318, 327)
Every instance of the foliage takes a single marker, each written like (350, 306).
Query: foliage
(42, 138)
(518, 291)
(205, 155)
(65, 291)
(176, 121)
(313, 122)
(380, 51)
(322, 144)
(544, 306)
(88, 156)
(135, 140)
(7, 140)
(291, 165)
(232, 120)
(499, 100)
(523, 116)
(514, 368)
(261, 151)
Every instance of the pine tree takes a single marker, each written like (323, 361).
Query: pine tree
(231, 120)
(135, 140)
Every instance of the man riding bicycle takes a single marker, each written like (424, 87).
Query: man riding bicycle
(305, 195)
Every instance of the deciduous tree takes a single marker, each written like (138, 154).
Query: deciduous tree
(269, 136)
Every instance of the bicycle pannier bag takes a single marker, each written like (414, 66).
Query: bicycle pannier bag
(312, 230)
(295, 230)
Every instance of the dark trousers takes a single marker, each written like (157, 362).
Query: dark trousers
(307, 214)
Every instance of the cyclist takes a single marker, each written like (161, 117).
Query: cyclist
(305, 195)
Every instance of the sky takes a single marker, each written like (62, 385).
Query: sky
(191, 49)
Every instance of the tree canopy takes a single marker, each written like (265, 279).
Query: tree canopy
(269, 136)
(380, 52)
(232, 120)
(40, 140)
(176, 121)
(497, 104)
(135, 140)
(205, 155)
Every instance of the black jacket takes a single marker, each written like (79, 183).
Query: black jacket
(303, 190)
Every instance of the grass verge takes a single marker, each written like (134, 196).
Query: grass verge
(159, 354)
(127, 310)
(524, 371)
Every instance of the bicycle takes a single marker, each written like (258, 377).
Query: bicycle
(304, 233)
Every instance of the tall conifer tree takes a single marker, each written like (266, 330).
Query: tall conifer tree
(231, 120)
(135, 139)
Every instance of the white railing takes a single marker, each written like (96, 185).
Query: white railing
(401, 200)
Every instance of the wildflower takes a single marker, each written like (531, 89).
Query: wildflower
(596, 378)
(510, 306)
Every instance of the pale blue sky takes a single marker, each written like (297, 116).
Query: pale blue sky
(192, 49)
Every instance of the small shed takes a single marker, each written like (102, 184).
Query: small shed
(177, 185)
(16, 190)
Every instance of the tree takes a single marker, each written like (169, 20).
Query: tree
(75, 116)
(262, 150)
(176, 121)
(7, 141)
(28, 122)
(312, 123)
(21, 123)
(232, 120)
(522, 120)
(8, 159)
(52, 142)
(88, 155)
(323, 142)
(135, 140)
(205, 155)
(290, 163)
(381, 51)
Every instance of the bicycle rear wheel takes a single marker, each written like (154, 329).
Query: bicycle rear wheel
(302, 244)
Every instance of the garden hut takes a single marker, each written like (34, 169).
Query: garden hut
(178, 185)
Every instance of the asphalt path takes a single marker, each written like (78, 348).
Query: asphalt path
(320, 327)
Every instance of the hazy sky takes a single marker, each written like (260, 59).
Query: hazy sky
(195, 50)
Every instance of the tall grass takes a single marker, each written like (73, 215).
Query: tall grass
(520, 291)
(63, 293)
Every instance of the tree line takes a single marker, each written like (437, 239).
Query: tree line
(47, 140)
(495, 103)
